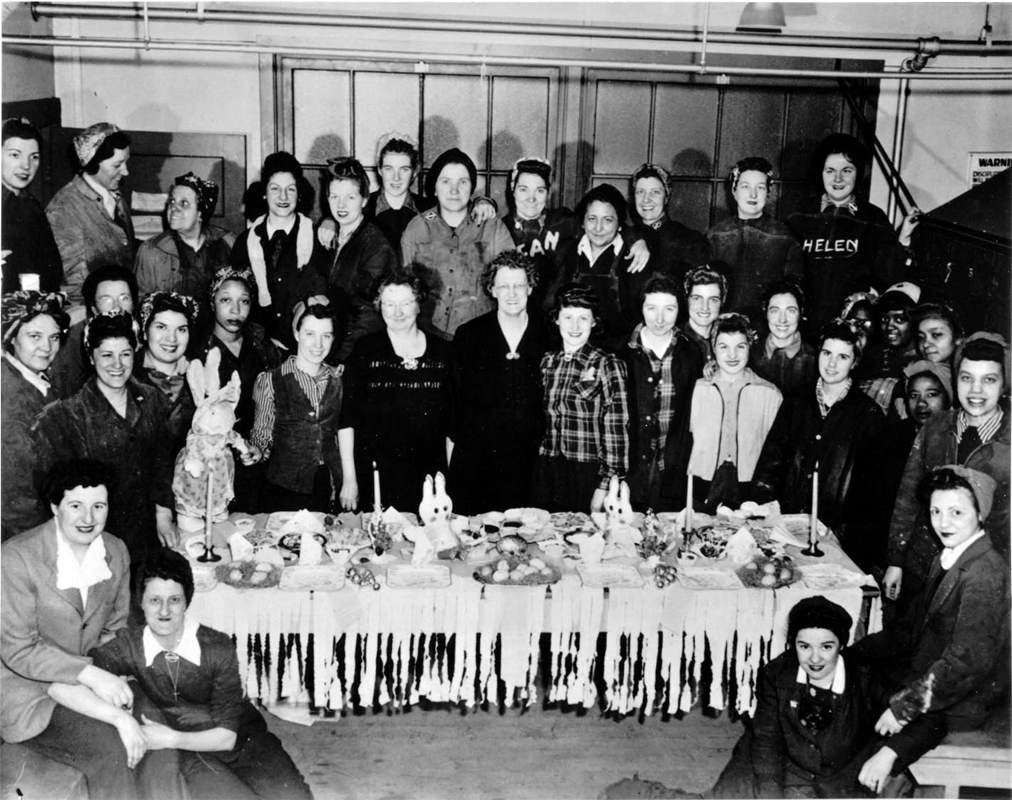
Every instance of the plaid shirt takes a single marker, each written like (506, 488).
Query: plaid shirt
(587, 410)
(664, 389)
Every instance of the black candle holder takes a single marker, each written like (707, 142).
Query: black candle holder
(209, 555)
(813, 550)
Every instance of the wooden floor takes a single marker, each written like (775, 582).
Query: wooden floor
(541, 754)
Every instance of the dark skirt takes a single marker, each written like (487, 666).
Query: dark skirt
(563, 485)
(277, 498)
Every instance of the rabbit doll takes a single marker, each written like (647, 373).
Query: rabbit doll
(619, 513)
(207, 446)
(434, 513)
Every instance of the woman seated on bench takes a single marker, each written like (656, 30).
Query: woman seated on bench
(954, 647)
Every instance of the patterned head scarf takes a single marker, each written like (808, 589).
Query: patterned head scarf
(206, 191)
(21, 307)
(226, 274)
(393, 136)
(157, 302)
(87, 142)
(533, 165)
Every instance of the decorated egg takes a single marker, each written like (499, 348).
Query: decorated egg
(770, 568)
(517, 575)
(503, 565)
(768, 580)
(235, 575)
(546, 571)
(262, 566)
(499, 576)
(258, 577)
(786, 574)
(487, 571)
(537, 563)
(751, 565)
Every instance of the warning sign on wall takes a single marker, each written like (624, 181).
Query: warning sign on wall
(982, 166)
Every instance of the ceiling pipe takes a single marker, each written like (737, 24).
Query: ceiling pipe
(413, 25)
(716, 72)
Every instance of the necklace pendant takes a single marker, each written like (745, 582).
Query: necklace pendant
(171, 657)
(410, 363)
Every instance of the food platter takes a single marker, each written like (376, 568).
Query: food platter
(422, 576)
(293, 541)
(517, 570)
(769, 573)
(614, 576)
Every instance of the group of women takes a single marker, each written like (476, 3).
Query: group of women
(531, 357)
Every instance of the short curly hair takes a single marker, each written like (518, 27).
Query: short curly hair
(732, 323)
(509, 259)
(405, 276)
(603, 193)
(67, 475)
(845, 331)
(704, 276)
(167, 565)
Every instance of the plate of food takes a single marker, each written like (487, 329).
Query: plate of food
(249, 574)
(710, 541)
(517, 570)
(708, 578)
(293, 541)
(769, 573)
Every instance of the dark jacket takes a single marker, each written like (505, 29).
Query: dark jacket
(137, 447)
(354, 273)
(289, 283)
(686, 367)
(674, 248)
(181, 409)
(842, 444)
(789, 375)
(912, 544)
(845, 252)
(26, 233)
(159, 267)
(753, 253)
(21, 403)
(392, 221)
(785, 753)
(540, 240)
(303, 438)
(957, 643)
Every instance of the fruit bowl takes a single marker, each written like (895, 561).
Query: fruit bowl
(769, 573)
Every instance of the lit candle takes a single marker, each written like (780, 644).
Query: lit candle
(812, 537)
(377, 503)
(688, 504)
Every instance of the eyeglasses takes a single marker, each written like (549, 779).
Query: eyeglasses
(107, 302)
(511, 288)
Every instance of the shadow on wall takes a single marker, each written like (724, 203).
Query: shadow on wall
(689, 202)
(324, 147)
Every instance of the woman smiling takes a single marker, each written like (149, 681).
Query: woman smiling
(123, 423)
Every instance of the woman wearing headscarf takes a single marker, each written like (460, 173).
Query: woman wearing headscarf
(185, 257)
(813, 727)
(26, 240)
(120, 422)
(755, 248)
(34, 327)
(675, 247)
(950, 660)
(281, 250)
(90, 216)
(167, 321)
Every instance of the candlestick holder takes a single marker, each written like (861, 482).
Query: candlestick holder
(208, 554)
(812, 550)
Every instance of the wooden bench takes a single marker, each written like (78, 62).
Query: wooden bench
(26, 774)
(981, 759)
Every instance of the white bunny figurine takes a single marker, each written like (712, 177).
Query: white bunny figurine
(207, 445)
(434, 512)
(617, 507)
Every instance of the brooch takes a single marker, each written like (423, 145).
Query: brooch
(409, 363)
(512, 356)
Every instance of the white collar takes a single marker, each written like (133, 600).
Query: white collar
(188, 647)
(583, 248)
(108, 198)
(839, 677)
(40, 382)
(950, 555)
(74, 574)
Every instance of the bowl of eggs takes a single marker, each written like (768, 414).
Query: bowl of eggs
(249, 574)
(769, 573)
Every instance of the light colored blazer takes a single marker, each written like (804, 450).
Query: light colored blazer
(45, 632)
(758, 404)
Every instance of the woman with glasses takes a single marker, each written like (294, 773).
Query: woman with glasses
(497, 421)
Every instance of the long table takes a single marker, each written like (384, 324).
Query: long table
(645, 649)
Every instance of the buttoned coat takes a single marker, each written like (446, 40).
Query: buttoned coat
(86, 235)
(46, 631)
